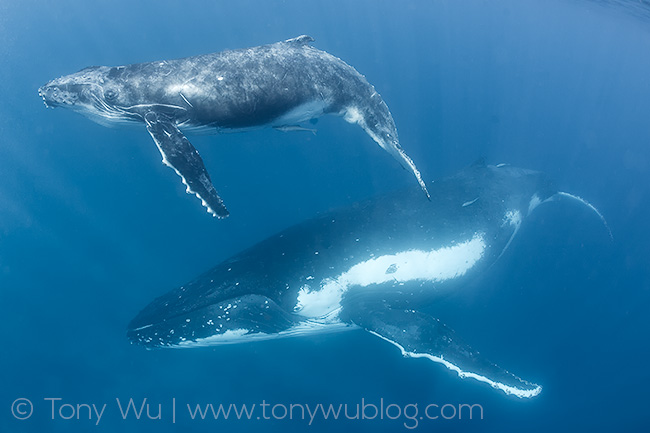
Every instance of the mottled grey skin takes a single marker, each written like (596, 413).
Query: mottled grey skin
(277, 85)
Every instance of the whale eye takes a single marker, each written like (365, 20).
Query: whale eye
(110, 94)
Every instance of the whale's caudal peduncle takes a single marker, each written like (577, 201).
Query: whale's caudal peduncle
(279, 85)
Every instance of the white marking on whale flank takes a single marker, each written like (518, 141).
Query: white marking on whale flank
(301, 113)
(508, 389)
(353, 115)
(534, 202)
(435, 265)
(513, 218)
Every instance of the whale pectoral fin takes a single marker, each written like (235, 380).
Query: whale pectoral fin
(419, 335)
(383, 132)
(408, 164)
(179, 154)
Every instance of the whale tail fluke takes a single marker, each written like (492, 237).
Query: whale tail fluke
(590, 206)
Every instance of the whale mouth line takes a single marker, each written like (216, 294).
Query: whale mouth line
(169, 318)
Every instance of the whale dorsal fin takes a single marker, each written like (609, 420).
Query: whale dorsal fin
(300, 40)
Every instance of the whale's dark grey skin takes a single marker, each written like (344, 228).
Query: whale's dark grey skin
(277, 85)
(371, 266)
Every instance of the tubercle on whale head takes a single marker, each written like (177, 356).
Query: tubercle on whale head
(56, 95)
(93, 91)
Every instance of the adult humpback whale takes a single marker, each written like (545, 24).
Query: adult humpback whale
(277, 85)
(371, 266)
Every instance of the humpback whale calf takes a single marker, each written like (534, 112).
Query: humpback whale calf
(371, 266)
(278, 85)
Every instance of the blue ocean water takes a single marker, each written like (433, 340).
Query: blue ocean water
(93, 226)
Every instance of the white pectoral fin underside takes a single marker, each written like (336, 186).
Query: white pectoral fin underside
(179, 154)
(419, 335)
